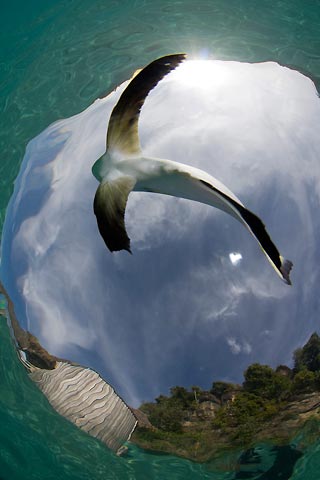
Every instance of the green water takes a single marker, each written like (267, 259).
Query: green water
(56, 57)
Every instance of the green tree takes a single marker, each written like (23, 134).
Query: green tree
(220, 388)
(245, 415)
(309, 355)
(304, 381)
(317, 380)
(182, 395)
(263, 381)
(166, 414)
(258, 379)
(161, 399)
(167, 418)
(281, 387)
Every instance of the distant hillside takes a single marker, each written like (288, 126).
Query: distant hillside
(270, 405)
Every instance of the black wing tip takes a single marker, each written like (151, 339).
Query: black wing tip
(178, 57)
(115, 244)
(118, 248)
(282, 266)
(159, 68)
(285, 269)
(171, 61)
(109, 208)
(154, 71)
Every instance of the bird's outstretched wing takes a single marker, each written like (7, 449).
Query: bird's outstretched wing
(123, 124)
(109, 207)
(257, 228)
(111, 197)
(194, 184)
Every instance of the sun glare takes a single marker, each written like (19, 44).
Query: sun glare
(202, 73)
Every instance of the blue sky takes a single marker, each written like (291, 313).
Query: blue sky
(179, 310)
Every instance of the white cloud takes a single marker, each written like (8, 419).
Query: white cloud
(238, 347)
(235, 258)
(234, 346)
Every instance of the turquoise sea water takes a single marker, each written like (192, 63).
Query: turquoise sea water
(56, 57)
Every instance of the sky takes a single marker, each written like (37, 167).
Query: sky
(197, 301)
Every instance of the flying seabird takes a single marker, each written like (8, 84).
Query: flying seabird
(123, 168)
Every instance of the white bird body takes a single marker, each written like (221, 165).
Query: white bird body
(124, 168)
(167, 177)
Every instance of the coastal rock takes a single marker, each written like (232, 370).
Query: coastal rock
(142, 419)
(201, 441)
(80, 395)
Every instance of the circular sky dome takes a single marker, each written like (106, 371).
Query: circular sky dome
(197, 301)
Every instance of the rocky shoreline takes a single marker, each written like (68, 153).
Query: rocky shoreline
(201, 441)
(276, 406)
